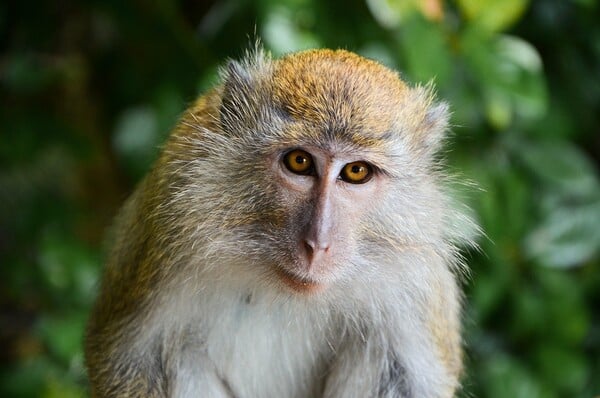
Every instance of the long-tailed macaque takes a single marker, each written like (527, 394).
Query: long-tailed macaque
(293, 239)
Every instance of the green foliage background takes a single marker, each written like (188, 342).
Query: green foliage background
(89, 90)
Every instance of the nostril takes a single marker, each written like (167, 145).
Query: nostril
(309, 249)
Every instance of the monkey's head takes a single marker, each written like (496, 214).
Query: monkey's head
(308, 171)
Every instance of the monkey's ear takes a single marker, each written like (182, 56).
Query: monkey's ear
(435, 124)
(243, 89)
(429, 119)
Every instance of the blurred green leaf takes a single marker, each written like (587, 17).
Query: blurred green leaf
(511, 76)
(504, 206)
(136, 138)
(391, 13)
(69, 268)
(60, 389)
(567, 236)
(25, 74)
(283, 33)
(169, 105)
(520, 68)
(493, 15)
(529, 312)
(561, 165)
(567, 318)
(64, 335)
(504, 377)
(568, 233)
(40, 377)
(26, 379)
(488, 293)
(565, 370)
(380, 53)
(425, 50)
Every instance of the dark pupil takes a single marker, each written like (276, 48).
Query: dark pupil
(300, 159)
(356, 169)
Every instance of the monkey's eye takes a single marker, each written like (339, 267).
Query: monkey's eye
(356, 172)
(299, 162)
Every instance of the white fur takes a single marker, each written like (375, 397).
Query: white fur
(285, 344)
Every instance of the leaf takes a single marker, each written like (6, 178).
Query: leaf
(566, 316)
(390, 13)
(136, 131)
(509, 73)
(493, 15)
(520, 67)
(69, 268)
(487, 293)
(136, 138)
(426, 51)
(561, 165)
(568, 234)
(565, 370)
(24, 74)
(63, 335)
(505, 377)
(56, 388)
(282, 32)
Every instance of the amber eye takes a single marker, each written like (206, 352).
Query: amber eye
(356, 173)
(299, 162)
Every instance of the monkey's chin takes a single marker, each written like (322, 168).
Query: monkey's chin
(299, 284)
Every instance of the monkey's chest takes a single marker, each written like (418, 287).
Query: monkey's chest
(270, 351)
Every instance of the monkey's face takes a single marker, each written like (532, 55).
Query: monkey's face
(326, 194)
(309, 170)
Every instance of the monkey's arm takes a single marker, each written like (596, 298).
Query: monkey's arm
(123, 367)
(126, 381)
(119, 363)
(357, 371)
(371, 369)
(388, 359)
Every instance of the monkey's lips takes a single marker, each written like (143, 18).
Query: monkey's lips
(299, 283)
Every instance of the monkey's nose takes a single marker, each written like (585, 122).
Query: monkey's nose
(314, 250)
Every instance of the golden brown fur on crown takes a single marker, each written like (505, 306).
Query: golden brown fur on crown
(338, 89)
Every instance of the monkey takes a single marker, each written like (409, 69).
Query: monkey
(294, 238)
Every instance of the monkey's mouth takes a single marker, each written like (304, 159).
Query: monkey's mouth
(298, 283)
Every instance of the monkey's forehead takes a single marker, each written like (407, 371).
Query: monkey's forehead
(338, 89)
(324, 67)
